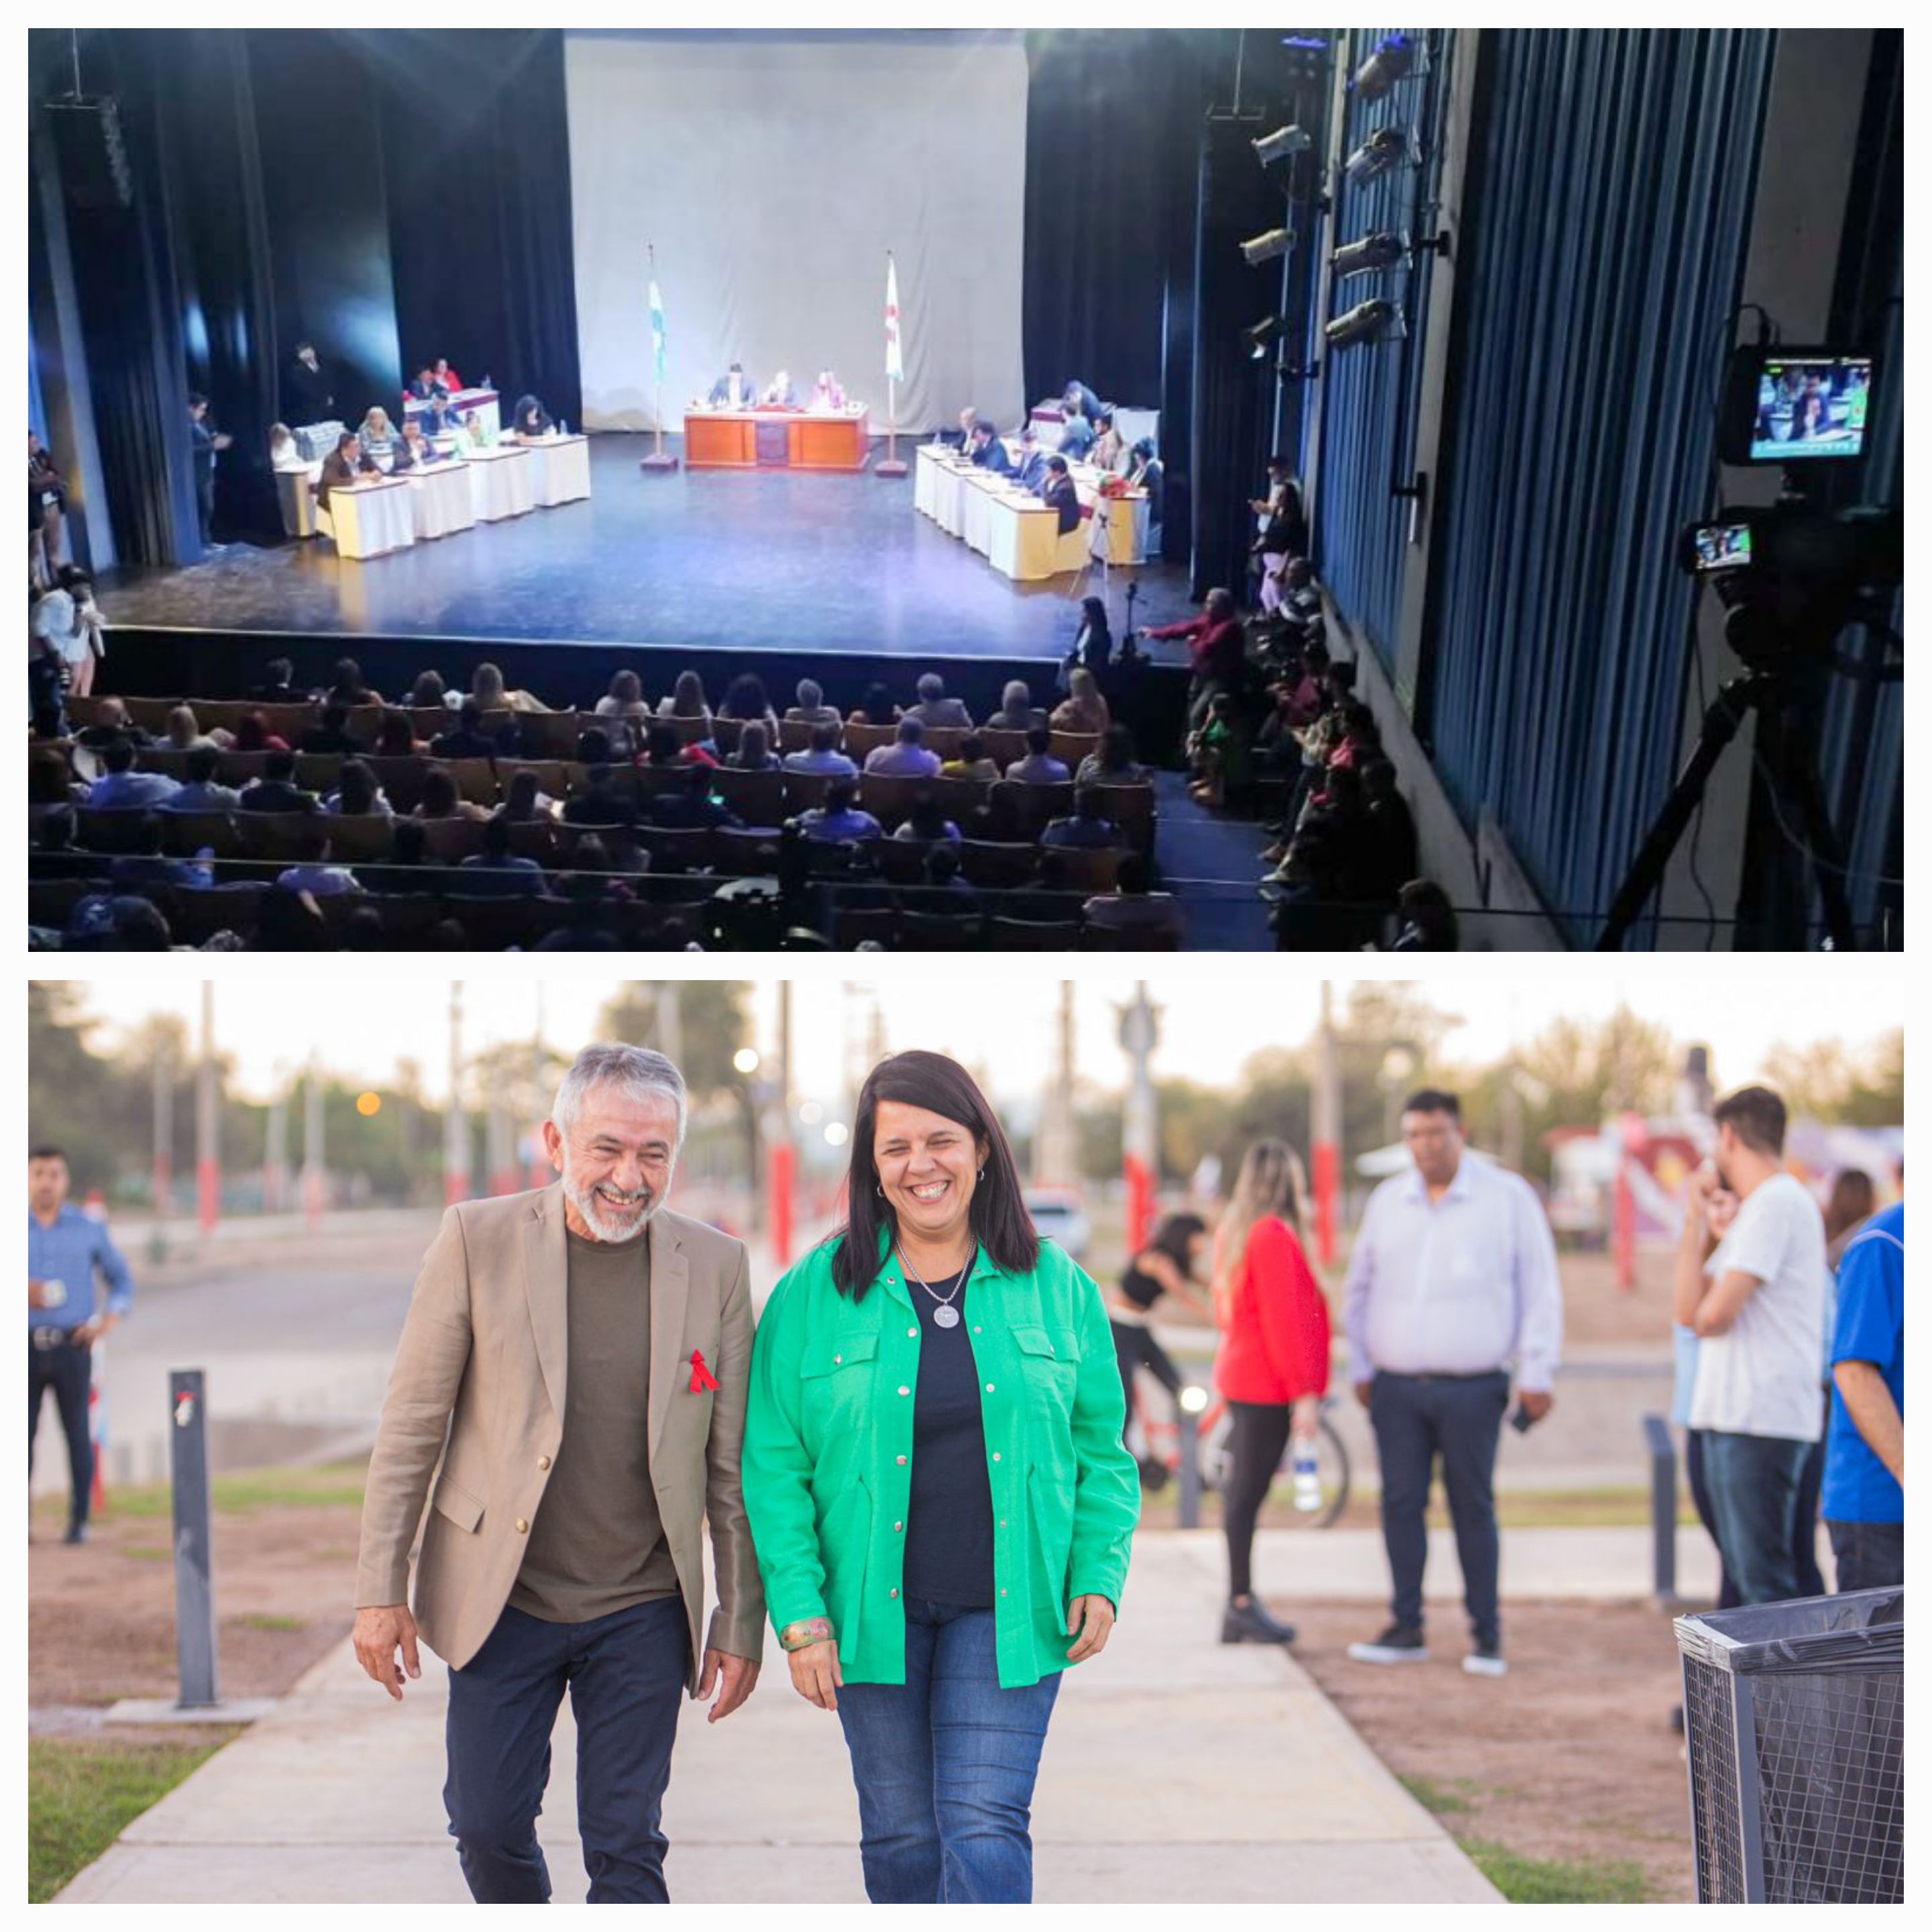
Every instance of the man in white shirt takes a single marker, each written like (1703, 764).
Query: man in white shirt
(1756, 1299)
(1453, 1278)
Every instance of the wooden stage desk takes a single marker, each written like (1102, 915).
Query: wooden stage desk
(776, 439)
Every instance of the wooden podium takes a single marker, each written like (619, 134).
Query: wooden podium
(775, 439)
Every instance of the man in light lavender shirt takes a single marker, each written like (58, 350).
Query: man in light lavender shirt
(1453, 1278)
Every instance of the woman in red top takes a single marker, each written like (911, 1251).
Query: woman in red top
(1273, 1368)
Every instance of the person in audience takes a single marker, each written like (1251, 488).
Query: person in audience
(1088, 829)
(276, 789)
(1218, 753)
(624, 698)
(1131, 906)
(1112, 761)
(943, 876)
(404, 871)
(1428, 919)
(429, 692)
(987, 452)
(54, 623)
(396, 735)
(597, 802)
(593, 875)
(1863, 1490)
(687, 699)
(185, 733)
(1057, 492)
(1039, 767)
(496, 871)
(119, 923)
(362, 931)
(357, 794)
(745, 698)
(525, 802)
(347, 685)
(377, 438)
(487, 687)
(1387, 832)
(779, 392)
(812, 708)
(252, 734)
(824, 757)
(442, 797)
(876, 707)
(732, 390)
(50, 779)
(332, 734)
(839, 820)
(691, 805)
(278, 683)
(754, 752)
(321, 877)
(926, 821)
(935, 710)
(465, 737)
(970, 761)
(828, 393)
(53, 855)
(1109, 448)
(663, 746)
(1017, 711)
(907, 756)
(1217, 651)
(121, 788)
(530, 420)
(1084, 710)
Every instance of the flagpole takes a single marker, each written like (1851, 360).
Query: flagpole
(657, 463)
(891, 467)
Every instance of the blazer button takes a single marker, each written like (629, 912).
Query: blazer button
(996, 1455)
(838, 1360)
(900, 1461)
(903, 1390)
(989, 1388)
(912, 1334)
(892, 1593)
(897, 1527)
(543, 1462)
(1002, 1593)
(523, 1528)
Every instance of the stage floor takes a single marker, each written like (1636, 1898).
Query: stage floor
(831, 564)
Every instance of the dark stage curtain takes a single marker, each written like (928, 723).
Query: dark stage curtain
(477, 146)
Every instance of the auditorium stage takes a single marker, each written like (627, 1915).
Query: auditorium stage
(839, 570)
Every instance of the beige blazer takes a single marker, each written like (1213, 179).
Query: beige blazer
(480, 1365)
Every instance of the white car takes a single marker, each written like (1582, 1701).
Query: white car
(1058, 1216)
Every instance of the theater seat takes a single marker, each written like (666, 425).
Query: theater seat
(1030, 935)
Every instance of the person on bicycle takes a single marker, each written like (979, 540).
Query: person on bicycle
(1164, 1266)
(1273, 1368)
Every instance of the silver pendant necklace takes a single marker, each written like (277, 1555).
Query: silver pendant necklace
(944, 1315)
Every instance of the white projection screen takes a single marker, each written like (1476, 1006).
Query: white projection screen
(772, 172)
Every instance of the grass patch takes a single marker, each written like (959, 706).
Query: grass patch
(1442, 1796)
(260, 1621)
(145, 1552)
(1558, 1881)
(330, 1485)
(81, 1797)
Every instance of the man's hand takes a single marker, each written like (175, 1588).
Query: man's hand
(1362, 1393)
(38, 1296)
(1091, 1619)
(815, 1675)
(735, 1677)
(86, 1334)
(1704, 1182)
(1536, 1402)
(379, 1632)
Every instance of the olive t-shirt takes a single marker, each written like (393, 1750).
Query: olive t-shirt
(597, 1545)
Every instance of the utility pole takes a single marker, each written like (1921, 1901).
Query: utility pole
(456, 1127)
(164, 1132)
(671, 1022)
(1328, 1134)
(207, 1121)
(781, 1157)
(1140, 1125)
(1054, 1156)
(275, 1146)
(315, 1170)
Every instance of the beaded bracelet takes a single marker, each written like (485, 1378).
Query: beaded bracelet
(812, 1629)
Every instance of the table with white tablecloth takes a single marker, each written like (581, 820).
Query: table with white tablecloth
(503, 482)
(1016, 532)
(444, 500)
(294, 487)
(372, 518)
(561, 467)
(483, 401)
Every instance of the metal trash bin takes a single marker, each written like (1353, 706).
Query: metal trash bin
(1794, 1716)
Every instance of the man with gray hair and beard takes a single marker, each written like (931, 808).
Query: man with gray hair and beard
(584, 1353)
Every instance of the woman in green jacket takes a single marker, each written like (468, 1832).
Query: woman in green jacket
(938, 1494)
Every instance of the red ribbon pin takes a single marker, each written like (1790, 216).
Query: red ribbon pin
(701, 1378)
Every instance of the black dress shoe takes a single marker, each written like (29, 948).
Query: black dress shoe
(76, 1532)
(1249, 1623)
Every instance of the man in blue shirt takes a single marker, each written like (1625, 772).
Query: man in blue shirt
(1863, 1497)
(65, 1319)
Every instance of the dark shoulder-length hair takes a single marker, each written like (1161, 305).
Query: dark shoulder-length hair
(1000, 1220)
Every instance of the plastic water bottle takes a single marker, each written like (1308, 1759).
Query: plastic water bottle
(1307, 1479)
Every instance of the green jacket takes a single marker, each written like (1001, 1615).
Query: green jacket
(828, 1457)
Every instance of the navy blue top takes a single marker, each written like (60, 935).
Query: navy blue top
(69, 1252)
(949, 1557)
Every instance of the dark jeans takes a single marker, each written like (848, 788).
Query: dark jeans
(1871, 1555)
(1728, 1598)
(1753, 1480)
(626, 1674)
(944, 1764)
(1417, 1418)
(67, 1369)
(1255, 1441)
(1136, 1348)
(1804, 1519)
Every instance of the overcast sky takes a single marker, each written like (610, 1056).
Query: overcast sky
(998, 1015)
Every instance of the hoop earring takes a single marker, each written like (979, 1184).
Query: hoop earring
(879, 1190)
(982, 1174)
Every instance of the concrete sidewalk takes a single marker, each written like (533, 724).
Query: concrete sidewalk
(1176, 1770)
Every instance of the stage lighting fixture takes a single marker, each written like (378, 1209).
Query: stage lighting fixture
(1263, 336)
(1281, 144)
(1377, 321)
(1391, 62)
(1371, 251)
(1277, 242)
(1384, 149)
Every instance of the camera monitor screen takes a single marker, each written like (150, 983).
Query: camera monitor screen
(1716, 547)
(1811, 406)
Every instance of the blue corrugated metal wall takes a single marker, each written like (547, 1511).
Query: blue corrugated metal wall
(1372, 393)
(1606, 234)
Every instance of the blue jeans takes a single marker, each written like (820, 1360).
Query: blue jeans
(944, 1764)
(626, 1677)
(1753, 1481)
(1871, 1555)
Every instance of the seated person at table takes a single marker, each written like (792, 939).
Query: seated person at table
(1031, 473)
(972, 762)
(283, 453)
(1060, 494)
(342, 466)
(779, 394)
(447, 380)
(828, 392)
(413, 449)
(732, 390)
(1108, 447)
(987, 452)
(935, 710)
(824, 758)
(907, 756)
(531, 419)
(812, 708)
(377, 436)
(473, 433)
(963, 436)
(1039, 767)
(1076, 438)
(1089, 829)
(1144, 473)
(839, 819)
(1078, 399)
(424, 385)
